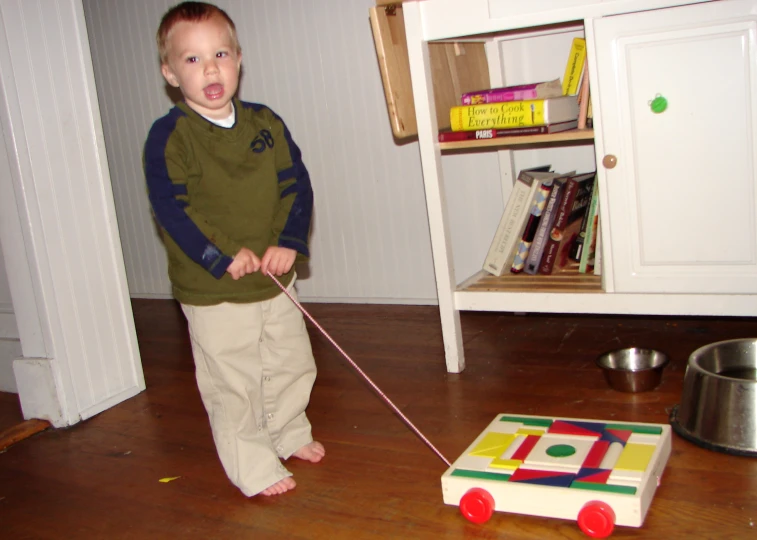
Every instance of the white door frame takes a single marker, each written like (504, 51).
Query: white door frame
(58, 227)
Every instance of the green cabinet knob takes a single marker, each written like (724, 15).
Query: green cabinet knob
(658, 104)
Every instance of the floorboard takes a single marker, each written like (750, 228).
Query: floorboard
(100, 478)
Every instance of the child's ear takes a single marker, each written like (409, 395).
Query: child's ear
(169, 76)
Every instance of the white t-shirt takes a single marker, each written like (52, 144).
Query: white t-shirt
(224, 122)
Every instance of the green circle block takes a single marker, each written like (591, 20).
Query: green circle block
(561, 450)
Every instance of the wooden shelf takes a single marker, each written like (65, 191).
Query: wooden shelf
(563, 282)
(502, 142)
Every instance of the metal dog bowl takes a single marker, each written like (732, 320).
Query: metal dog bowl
(718, 408)
(633, 369)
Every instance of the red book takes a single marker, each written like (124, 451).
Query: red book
(575, 200)
(456, 136)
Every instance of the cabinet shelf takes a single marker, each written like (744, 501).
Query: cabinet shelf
(562, 282)
(585, 135)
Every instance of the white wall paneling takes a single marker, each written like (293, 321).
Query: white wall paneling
(10, 344)
(10, 234)
(6, 304)
(314, 64)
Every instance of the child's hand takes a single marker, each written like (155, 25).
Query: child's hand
(245, 262)
(277, 260)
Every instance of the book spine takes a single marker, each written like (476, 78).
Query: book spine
(589, 244)
(547, 263)
(508, 232)
(545, 225)
(561, 220)
(598, 251)
(574, 67)
(562, 259)
(521, 254)
(498, 96)
(589, 113)
(577, 247)
(498, 115)
(455, 136)
(583, 97)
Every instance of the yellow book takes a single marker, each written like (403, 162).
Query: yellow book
(509, 114)
(574, 67)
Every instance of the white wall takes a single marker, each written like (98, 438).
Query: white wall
(314, 63)
(6, 305)
(10, 344)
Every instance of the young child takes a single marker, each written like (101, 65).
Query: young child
(233, 201)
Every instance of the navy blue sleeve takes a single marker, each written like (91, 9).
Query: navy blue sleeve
(169, 202)
(297, 228)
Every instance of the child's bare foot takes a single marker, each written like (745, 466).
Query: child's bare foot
(279, 487)
(312, 452)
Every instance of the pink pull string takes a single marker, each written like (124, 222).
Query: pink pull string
(357, 368)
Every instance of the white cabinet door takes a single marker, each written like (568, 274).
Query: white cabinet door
(681, 203)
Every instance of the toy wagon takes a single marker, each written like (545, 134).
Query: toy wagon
(600, 474)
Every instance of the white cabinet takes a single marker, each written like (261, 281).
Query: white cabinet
(681, 202)
(679, 208)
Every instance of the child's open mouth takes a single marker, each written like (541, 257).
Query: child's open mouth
(214, 91)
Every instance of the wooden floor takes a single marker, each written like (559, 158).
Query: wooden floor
(100, 478)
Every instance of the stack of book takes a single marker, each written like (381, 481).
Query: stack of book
(549, 225)
(550, 221)
(536, 108)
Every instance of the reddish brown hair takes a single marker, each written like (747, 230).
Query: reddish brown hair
(190, 12)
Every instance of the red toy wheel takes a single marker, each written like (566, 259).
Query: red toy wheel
(477, 505)
(596, 519)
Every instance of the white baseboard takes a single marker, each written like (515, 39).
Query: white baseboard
(36, 389)
(151, 296)
(10, 349)
(325, 300)
(381, 301)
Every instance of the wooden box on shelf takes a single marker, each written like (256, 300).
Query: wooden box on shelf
(457, 68)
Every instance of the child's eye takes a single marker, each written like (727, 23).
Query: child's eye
(222, 54)
(191, 60)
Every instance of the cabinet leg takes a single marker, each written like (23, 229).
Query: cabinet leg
(453, 338)
(433, 179)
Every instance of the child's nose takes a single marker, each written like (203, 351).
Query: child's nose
(211, 67)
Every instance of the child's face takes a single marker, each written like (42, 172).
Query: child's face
(203, 62)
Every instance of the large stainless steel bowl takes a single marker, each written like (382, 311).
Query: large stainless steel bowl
(718, 408)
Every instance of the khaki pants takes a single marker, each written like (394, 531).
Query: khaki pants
(255, 370)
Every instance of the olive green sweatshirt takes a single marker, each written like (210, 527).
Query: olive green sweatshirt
(215, 190)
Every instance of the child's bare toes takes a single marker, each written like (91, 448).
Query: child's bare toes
(280, 487)
(312, 452)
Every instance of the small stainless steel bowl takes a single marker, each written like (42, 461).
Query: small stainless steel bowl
(633, 369)
(718, 408)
